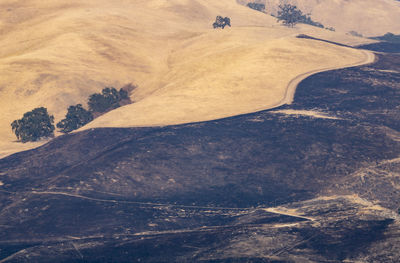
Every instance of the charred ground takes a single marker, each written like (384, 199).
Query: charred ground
(204, 191)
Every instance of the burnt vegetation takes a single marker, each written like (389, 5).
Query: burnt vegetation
(201, 192)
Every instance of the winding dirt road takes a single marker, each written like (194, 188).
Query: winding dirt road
(369, 57)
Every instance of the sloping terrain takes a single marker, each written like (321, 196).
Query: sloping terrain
(264, 187)
(366, 17)
(55, 53)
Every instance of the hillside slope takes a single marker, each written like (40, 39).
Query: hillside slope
(367, 17)
(56, 53)
(262, 187)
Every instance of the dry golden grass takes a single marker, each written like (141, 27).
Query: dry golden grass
(368, 17)
(238, 80)
(55, 53)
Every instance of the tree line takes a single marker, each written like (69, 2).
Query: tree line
(289, 14)
(38, 123)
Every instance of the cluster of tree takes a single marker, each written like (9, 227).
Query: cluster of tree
(76, 117)
(107, 100)
(37, 123)
(98, 103)
(290, 15)
(222, 22)
(257, 6)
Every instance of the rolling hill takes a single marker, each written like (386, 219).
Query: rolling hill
(305, 168)
(366, 17)
(54, 54)
(262, 187)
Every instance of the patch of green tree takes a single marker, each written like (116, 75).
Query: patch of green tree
(34, 125)
(76, 117)
(222, 22)
(107, 100)
(290, 15)
(37, 124)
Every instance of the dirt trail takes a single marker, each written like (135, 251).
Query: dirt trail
(291, 87)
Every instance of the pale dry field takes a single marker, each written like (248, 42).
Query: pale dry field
(367, 17)
(56, 53)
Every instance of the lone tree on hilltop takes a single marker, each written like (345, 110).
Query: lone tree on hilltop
(108, 99)
(222, 22)
(75, 118)
(289, 14)
(34, 125)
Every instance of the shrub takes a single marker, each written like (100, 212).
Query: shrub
(123, 94)
(129, 87)
(222, 22)
(257, 6)
(355, 33)
(75, 118)
(108, 99)
(34, 125)
(305, 19)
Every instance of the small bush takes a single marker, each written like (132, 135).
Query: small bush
(305, 19)
(355, 33)
(34, 125)
(75, 118)
(257, 6)
(129, 87)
